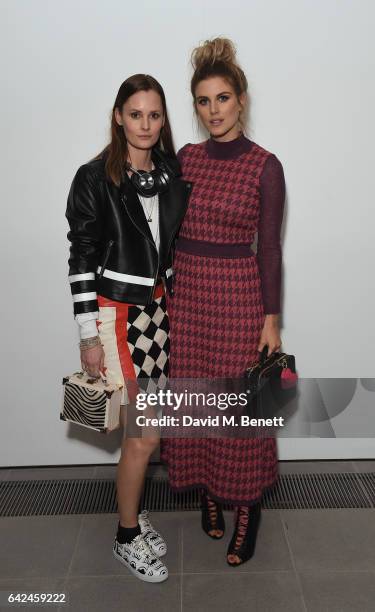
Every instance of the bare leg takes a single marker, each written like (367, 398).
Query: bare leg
(131, 470)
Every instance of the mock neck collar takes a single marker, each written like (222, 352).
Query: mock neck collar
(231, 149)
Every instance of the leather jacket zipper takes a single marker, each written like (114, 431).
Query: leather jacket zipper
(109, 246)
(188, 184)
(158, 256)
(154, 285)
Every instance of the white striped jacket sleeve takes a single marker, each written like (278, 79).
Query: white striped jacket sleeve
(85, 220)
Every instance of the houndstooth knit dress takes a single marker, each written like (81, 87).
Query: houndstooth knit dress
(217, 312)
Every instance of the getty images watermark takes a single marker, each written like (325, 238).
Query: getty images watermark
(314, 408)
(190, 401)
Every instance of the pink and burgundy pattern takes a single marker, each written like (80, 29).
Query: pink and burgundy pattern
(224, 205)
(216, 317)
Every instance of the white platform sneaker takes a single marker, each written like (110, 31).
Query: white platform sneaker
(150, 535)
(138, 557)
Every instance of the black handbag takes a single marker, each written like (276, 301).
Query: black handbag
(270, 383)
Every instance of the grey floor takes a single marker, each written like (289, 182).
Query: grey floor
(305, 560)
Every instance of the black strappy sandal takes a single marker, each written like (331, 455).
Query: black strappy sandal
(212, 516)
(245, 533)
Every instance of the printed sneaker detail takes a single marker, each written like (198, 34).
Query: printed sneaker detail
(139, 558)
(150, 535)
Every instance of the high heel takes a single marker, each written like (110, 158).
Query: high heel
(245, 533)
(212, 516)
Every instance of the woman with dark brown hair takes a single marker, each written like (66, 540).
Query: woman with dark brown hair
(124, 209)
(238, 192)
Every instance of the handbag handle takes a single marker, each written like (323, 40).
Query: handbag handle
(102, 376)
(263, 354)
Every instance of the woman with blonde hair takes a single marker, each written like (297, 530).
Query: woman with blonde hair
(226, 302)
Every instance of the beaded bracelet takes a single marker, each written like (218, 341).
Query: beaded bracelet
(87, 343)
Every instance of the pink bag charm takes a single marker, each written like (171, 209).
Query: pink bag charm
(288, 378)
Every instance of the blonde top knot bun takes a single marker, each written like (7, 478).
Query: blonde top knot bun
(212, 51)
(217, 57)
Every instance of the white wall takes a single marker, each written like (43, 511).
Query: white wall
(310, 66)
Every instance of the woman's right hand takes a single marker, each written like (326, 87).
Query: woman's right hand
(92, 360)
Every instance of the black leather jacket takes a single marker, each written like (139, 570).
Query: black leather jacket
(112, 250)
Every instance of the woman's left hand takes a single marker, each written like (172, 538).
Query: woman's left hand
(270, 335)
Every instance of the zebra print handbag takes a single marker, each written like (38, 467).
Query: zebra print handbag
(91, 402)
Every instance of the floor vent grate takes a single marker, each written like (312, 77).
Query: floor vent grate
(93, 496)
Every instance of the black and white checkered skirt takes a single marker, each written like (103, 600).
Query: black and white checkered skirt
(136, 343)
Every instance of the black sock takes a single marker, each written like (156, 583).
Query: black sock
(127, 534)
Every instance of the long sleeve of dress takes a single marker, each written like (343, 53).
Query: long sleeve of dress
(269, 255)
